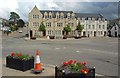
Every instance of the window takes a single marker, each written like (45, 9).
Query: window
(68, 17)
(99, 26)
(91, 32)
(101, 33)
(115, 28)
(83, 26)
(48, 24)
(35, 23)
(71, 24)
(89, 26)
(57, 16)
(89, 18)
(50, 32)
(59, 24)
(98, 32)
(103, 26)
(73, 17)
(93, 26)
(46, 16)
(62, 17)
(73, 32)
(50, 16)
(36, 16)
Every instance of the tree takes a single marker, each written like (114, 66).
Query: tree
(20, 23)
(14, 16)
(67, 29)
(79, 28)
(42, 28)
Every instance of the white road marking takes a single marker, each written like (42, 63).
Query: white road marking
(64, 47)
(77, 51)
(99, 51)
(57, 48)
(98, 75)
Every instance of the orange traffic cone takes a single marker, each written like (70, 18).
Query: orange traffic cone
(37, 66)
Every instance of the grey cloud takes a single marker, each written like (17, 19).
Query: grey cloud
(108, 10)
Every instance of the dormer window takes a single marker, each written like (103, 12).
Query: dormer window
(68, 17)
(93, 19)
(99, 19)
(89, 18)
(73, 17)
(46, 16)
(62, 17)
(50, 16)
(57, 16)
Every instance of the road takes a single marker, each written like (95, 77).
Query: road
(101, 52)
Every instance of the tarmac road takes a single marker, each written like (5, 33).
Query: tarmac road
(101, 52)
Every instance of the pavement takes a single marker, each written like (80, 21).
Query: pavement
(48, 71)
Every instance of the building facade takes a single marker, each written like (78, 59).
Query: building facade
(114, 28)
(55, 21)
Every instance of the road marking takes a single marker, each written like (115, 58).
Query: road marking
(98, 75)
(49, 65)
(99, 51)
(57, 48)
(64, 47)
(77, 51)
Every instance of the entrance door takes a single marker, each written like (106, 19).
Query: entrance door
(109, 33)
(44, 33)
(31, 33)
(84, 33)
(104, 33)
(94, 33)
(63, 32)
(115, 34)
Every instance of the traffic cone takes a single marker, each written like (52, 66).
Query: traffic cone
(37, 65)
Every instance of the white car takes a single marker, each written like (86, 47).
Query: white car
(20, 31)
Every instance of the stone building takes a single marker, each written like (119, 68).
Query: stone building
(55, 21)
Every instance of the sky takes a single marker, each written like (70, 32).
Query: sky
(108, 8)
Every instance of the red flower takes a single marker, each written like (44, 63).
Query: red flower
(71, 61)
(19, 54)
(81, 63)
(65, 63)
(12, 54)
(86, 71)
(82, 71)
(75, 61)
(84, 63)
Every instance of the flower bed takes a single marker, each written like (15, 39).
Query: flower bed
(73, 69)
(20, 61)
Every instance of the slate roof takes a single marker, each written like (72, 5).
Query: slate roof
(55, 11)
(78, 15)
(88, 15)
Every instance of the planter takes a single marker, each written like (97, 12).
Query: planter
(19, 64)
(33, 38)
(77, 37)
(64, 37)
(74, 69)
(52, 37)
(60, 74)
